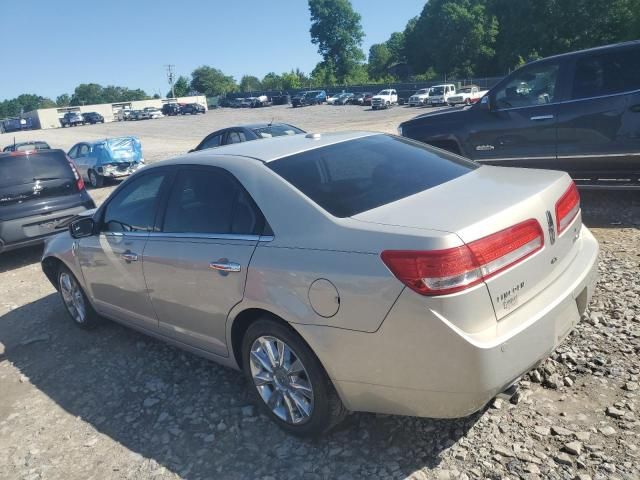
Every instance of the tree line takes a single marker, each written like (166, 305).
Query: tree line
(448, 38)
(84, 94)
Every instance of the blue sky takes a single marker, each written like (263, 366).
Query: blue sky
(50, 46)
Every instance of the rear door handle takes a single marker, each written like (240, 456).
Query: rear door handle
(542, 117)
(130, 257)
(225, 266)
(635, 108)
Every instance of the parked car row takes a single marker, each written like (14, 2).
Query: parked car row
(172, 109)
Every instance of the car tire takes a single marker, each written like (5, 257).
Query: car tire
(95, 179)
(75, 300)
(308, 409)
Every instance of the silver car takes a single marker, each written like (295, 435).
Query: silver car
(346, 271)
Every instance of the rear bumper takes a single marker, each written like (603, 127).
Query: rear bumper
(420, 364)
(33, 230)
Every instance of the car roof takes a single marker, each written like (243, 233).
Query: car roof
(269, 149)
(630, 43)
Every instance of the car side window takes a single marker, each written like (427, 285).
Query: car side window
(211, 142)
(236, 136)
(73, 153)
(133, 209)
(83, 150)
(607, 73)
(210, 201)
(534, 85)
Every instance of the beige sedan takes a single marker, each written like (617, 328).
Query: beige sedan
(348, 271)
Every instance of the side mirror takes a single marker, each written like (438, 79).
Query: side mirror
(82, 227)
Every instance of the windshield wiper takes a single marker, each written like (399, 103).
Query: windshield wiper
(41, 179)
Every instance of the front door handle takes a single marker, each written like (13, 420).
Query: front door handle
(130, 257)
(225, 266)
(542, 117)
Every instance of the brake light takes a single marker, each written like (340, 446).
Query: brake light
(567, 207)
(76, 174)
(439, 272)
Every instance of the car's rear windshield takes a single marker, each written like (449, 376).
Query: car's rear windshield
(352, 177)
(22, 169)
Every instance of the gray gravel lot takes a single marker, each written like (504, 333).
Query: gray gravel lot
(114, 404)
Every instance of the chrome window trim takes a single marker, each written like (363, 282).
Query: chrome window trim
(559, 157)
(122, 234)
(212, 236)
(573, 100)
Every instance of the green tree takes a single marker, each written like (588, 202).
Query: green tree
(87, 94)
(63, 100)
(249, 83)
(272, 81)
(336, 29)
(396, 47)
(323, 75)
(180, 87)
(212, 82)
(379, 60)
(454, 36)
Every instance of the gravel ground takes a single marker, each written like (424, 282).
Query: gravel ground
(114, 404)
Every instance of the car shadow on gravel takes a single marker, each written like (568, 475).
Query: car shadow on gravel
(610, 209)
(20, 258)
(190, 415)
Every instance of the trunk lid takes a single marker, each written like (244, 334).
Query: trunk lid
(488, 200)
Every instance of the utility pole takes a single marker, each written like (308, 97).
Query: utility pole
(170, 78)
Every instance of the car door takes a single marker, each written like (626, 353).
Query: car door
(86, 158)
(196, 266)
(79, 159)
(599, 127)
(112, 260)
(519, 128)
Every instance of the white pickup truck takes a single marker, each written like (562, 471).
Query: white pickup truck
(421, 97)
(441, 93)
(384, 99)
(468, 94)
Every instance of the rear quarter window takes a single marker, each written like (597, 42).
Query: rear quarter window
(352, 177)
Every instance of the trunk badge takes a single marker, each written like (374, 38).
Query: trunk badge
(552, 228)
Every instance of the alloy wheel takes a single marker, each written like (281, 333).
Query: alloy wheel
(72, 297)
(281, 380)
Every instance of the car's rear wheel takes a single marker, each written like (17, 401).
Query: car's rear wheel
(95, 179)
(75, 301)
(288, 381)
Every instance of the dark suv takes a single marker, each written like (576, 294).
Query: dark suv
(192, 108)
(578, 112)
(39, 192)
(92, 118)
(170, 109)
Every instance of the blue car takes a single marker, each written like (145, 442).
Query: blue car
(111, 158)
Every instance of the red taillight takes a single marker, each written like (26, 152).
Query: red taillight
(567, 207)
(438, 272)
(76, 174)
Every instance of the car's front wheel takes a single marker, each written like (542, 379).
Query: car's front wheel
(288, 381)
(75, 301)
(95, 180)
